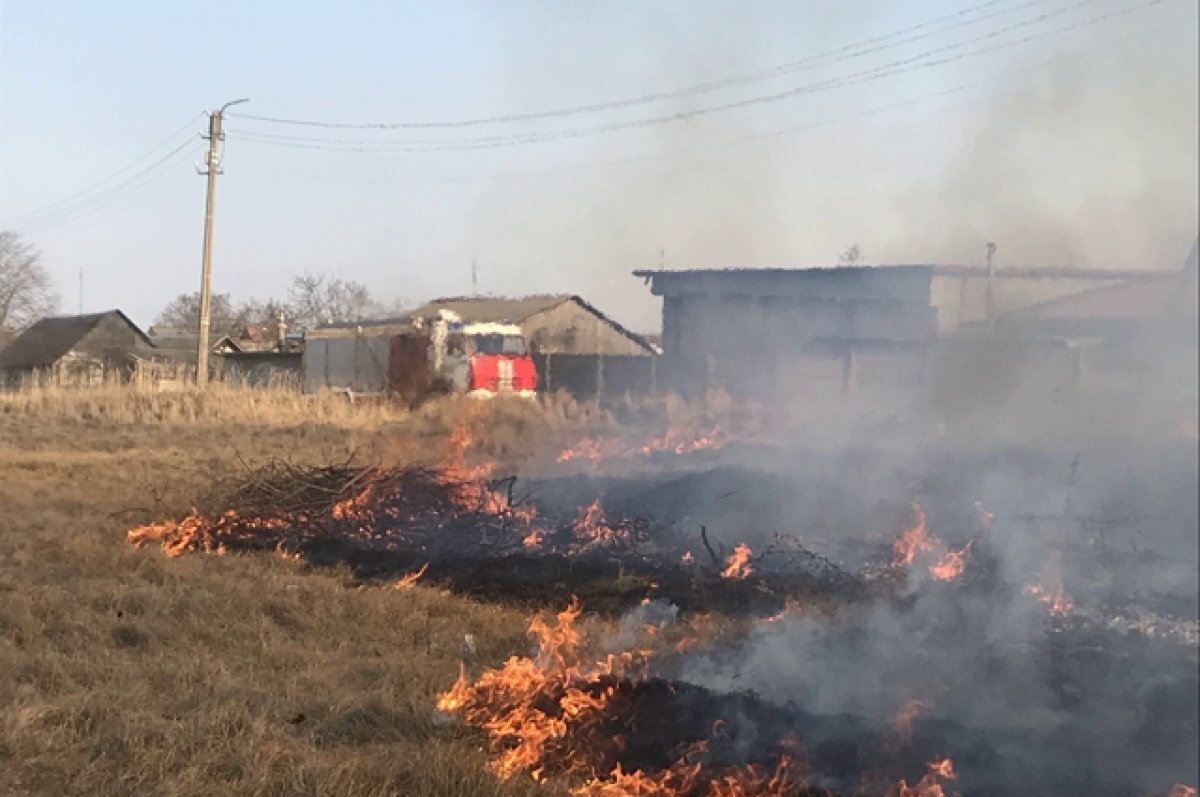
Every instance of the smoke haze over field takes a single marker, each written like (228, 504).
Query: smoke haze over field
(1077, 146)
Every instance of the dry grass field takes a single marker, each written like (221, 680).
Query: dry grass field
(129, 673)
(124, 671)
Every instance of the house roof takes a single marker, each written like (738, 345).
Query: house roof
(180, 342)
(44, 343)
(1142, 298)
(937, 269)
(780, 272)
(908, 284)
(479, 309)
(1048, 272)
(515, 310)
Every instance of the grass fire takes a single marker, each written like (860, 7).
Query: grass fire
(896, 655)
(759, 617)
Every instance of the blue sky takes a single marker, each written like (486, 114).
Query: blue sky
(1076, 146)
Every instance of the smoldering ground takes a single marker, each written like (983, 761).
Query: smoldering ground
(1096, 696)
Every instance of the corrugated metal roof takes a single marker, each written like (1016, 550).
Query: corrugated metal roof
(733, 272)
(44, 343)
(1131, 300)
(478, 309)
(938, 269)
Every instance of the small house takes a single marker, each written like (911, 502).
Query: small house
(75, 350)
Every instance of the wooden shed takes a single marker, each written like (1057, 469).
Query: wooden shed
(75, 350)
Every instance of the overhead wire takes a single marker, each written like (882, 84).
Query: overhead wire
(1105, 46)
(60, 205)
(117, 192)
(845, 52)
(900, 66)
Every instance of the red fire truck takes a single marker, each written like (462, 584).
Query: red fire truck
(484, 359)
(412, 358)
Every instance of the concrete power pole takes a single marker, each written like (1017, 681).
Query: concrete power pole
(212, 169)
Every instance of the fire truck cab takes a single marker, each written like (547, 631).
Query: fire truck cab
(482, 359)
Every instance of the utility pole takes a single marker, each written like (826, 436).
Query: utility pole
(81, 290)
(212, 169)
(474, 277)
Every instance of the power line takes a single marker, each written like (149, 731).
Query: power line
(901, 66)
(845, 52)
(113, 194)
(1105, 46)
(55, 207)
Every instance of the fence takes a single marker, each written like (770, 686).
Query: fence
(354, 362)
(588, 376)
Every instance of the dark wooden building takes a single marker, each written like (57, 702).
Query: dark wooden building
(775, 332)
(75, 350)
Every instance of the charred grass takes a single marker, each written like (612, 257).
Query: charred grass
(128, 673)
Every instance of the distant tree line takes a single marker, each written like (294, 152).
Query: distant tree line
(312, 300)
(27, 294)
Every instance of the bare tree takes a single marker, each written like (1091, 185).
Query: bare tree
(319, 299)
(26, 290)
(264, 316)
(184, 312)
(850, 256)
(226, 317)
(313, 300)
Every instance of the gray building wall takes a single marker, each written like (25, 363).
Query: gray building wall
(776, 332)
(570, 328)
(347, 360)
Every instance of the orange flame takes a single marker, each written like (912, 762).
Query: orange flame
(504, 702)
(676, 440)
(914, 539)
(679, 441)
(929, 785)
(943, 769)
(1050, 590)
(737, 566)
(465, 489)
(546, 716)
(951, 566)
(592, 529)
(791, 607)
(587, 449)
(410, 580)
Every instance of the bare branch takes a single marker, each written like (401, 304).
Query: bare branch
(26, 289)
